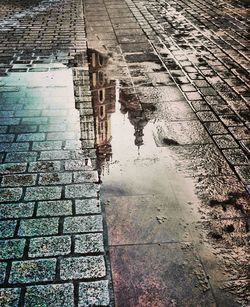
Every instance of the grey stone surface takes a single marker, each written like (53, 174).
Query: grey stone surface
(81, 190)
(16, 210)
(38, 227)
(3, 266)
(54, 208)
(43, 193)
(50, 295)
(89, 243)
(49, 246)
(7, 228)
(82, 267)
(9, 297)
(94, 294)
(87, 206)
(32, 271)
(78, 224)
(10, 249)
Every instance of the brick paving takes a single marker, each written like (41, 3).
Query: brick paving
(52, 247)
(51, 224)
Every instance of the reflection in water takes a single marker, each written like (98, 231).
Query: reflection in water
(106, 95)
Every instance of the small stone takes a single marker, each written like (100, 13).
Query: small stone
(7, 228)
(88, 206)
(50, 295)
(32, 271)
(94, 294)
(78, 224)
(12, 248)
(82, 267)
(89, 243)
(38, 227)
(49, 246)
(9, 297)
(54, 208)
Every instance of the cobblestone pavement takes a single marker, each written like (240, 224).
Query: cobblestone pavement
(178, 215)
(51, 225)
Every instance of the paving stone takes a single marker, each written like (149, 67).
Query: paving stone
(3, 266)
(244, 173)
(10, 249)
(8, 147)
(7, 228)
(225, 141)
(54, 208)
(78, 224)
(31, 137)
(19, 180)
(81, 190)
(82, 267)
(47, 145)
(236, 156)
(32, 271)
(89, 243)
(207, 116)
(52, 128)
(43, 193)
(9, 297)
(231, 120)
(45, 166)
(240, 133)
(21, 157)
(49, 246)
(16, 210)
(55, 155)
(50, 295)
(38, 227)
(7, 137)
(87, 206)
(8, 168)
(55, 178)
(94, 294)
(10, 194)
(87, 176)
(23, 128)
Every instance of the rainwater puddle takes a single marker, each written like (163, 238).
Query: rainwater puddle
(160, 187)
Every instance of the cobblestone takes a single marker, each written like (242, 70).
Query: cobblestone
(82, 267)
(3, 266)
(78, 224)
(32, 271)
(94, 293)
(54, 208)
(10, 297)
(49, 246)
(43, 193)
(12, 249)
(89, 243)
(16, 210)
(38, 227)
(88, 206)
(53, 295)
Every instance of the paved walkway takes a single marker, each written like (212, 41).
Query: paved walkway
(51, 225)
(179, 71)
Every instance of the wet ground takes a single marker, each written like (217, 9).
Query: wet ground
(177, 213)
(158, 120)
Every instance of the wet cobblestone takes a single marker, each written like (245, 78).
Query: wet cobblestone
(43, 168)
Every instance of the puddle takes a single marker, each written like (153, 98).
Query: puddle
(163, 180)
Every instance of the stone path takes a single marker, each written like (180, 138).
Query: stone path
(51, 225)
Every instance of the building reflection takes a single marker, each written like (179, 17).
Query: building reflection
(105, 94)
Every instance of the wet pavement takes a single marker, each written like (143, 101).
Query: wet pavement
(125, 152)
